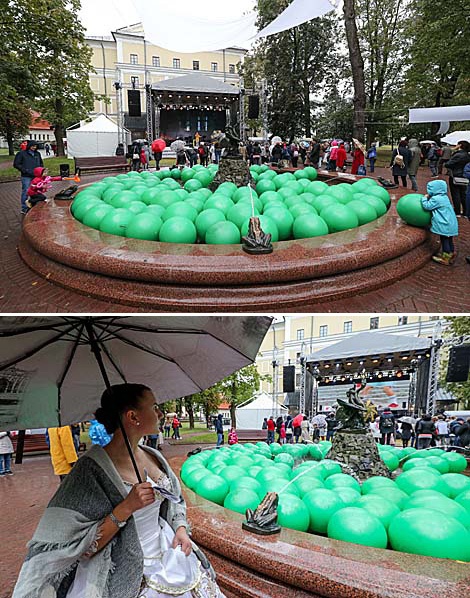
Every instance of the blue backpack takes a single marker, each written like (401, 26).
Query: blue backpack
(466, 171)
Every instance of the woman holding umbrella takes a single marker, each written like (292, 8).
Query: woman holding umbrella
(105, 533)
(358, 154)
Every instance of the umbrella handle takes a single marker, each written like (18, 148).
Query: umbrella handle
(97, 353)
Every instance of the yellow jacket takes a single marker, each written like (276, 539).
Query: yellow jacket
(63, 454)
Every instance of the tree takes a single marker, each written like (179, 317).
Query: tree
(208, 400)
(59, 59)
(16, 81)
(459, 327)
(296, 64)
(439, 73)
(239, 387)
(357, 66)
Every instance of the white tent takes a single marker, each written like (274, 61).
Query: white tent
(456, 136)
(250, 415)
(96, 138)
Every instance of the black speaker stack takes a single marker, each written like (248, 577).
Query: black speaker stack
(459, 364)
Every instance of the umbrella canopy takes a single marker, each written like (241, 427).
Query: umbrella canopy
(427, 142)
(408, 420)
(455, 137)
(298, 419)
(359, 145)
(177, 145)
(49, 374)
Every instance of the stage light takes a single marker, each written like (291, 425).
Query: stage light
(337, 365)
(327, 365)
(361, 363)
(389, 360)
(379, 375)
(428, 354)
(375, 361)
(399, 374)
(405, 357)
(349, 363)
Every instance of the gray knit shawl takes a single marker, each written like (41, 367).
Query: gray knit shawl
(69, 526)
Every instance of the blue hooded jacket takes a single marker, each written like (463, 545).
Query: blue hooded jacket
(443, 218)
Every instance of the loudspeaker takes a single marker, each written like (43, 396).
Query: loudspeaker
(133, 102)
(288, 378)
(253, 106)
(459, 364)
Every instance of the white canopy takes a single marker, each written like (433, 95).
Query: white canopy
(98, 137)
(250, 415)
(433, 115)
(456, 136)
(166, 27)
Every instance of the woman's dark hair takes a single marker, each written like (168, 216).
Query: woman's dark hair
(115, 401)
(465, 145)
(403, 143)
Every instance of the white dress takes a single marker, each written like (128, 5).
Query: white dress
(167, 571)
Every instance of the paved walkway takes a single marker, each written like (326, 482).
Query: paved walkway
(433, 289)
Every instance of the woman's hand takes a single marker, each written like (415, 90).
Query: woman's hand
(182, 539)
(139, 497)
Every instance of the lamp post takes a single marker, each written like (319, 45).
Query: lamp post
(275, 365)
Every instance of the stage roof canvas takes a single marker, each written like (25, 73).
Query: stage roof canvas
(196, 83)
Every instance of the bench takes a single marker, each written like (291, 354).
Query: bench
(100, 163)
(33, 443)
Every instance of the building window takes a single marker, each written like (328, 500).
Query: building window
(300, 334)
(347, 326)
(231, 69)
(402, 320)
(134, 82)
(176, 63)
(134, 59)
(374, 323)
(214, 67)
(323, 331)
(195, 65)
(155, 60)
(432, 318)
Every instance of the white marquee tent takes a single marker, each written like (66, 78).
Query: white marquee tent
(250, 415)
(96, 138)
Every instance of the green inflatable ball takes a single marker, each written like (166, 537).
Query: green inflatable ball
(339, 217)
(321, 504)
(342, 194)
(457, 462)
(323, 201)
(365, 212)
(302, 209)
(341, 480)
(156, 210)
(463, 499)
(422, 478)
(380, 507)
(136, 207)
(349, 496)
(374, 482)
(206, 219)
(284, 458)
(171, 184)
(315, 453)
(193, 478)
(178, 230)
(430, 533)
(193, 185)
(239, 212)
(187, 174)
(457, 483)
(412, 212)
(317, 188)
(265, 185)
(301, 174)
(375, 202)
(150, 197)
(306, 484)
(95, 215)
(223, 233)
(144, 226)
(115, 222)
(380, 192)
(246, 482)
(312, 225)
(227, 188)
(241, 500)
(232, 472)
(182, 209)
(428, 499)
(204, 177)
(442, 465)
(213, 488)
(166, 198)
(219, 202)
(292, 513)
(353, 524)
(390, 460)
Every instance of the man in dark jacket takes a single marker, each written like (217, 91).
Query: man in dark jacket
(315, 153)
(456, 165)
(463, 432)
(26, 161)
(219, 429)
(386, 426)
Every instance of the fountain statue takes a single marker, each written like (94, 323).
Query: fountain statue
(232, 167)
(353, 445)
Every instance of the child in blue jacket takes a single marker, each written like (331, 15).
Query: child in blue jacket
(443, 220)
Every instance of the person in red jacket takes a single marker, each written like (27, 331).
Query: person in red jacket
(39, 186)
(341, 157)
(271, 428)
(358, 158)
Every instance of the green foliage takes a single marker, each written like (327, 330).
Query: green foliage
(459, 327)
(296, 64)
(46, 63)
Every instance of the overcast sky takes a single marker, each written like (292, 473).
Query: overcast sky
(100, 17)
